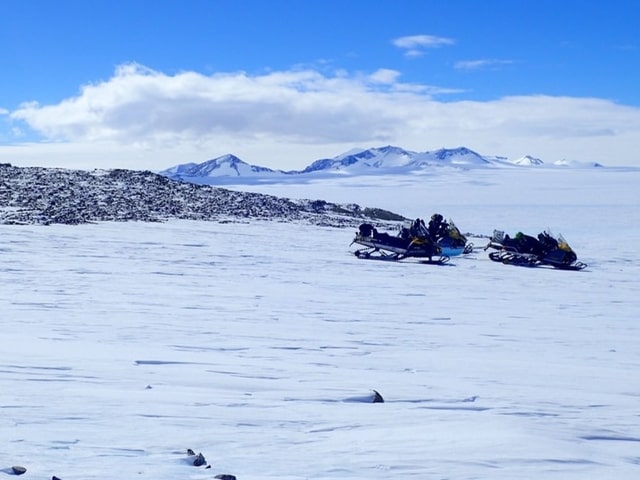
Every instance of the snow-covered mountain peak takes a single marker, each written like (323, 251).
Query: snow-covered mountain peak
(528, 160)
(226, 163)
(384, 157)
(225, 166)
(359, 160)
(460, 156)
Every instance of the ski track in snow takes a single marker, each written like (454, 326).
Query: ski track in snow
(258, 344)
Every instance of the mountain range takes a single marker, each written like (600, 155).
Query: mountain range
(382, 160)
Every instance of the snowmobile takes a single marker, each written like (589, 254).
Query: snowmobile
(385, 246)
(413, 240)
(446, 235)
(528, 251)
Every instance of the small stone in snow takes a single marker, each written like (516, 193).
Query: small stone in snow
(377, 398)
(199, 461)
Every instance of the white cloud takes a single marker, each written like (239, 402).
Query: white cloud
(141, 106)
(142, 118)
(384, 75)
(416, 45)
(480, 64)
(422, 41)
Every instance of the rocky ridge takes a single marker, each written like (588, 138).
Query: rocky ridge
(37, 195)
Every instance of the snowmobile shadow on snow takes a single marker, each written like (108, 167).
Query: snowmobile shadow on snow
(527, 251)
(433, 244)
(372, 397)
(459, 403)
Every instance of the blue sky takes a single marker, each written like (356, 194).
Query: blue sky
(146, 84)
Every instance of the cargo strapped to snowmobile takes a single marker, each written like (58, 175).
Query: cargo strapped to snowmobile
(383, 246)
(434, 243)
(527, 251)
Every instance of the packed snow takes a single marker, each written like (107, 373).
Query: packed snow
(259, 344)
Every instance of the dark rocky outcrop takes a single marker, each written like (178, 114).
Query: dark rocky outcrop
(35, 195)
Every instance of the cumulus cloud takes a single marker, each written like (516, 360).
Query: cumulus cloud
(287, 119)
(416, 45)
(141, 105)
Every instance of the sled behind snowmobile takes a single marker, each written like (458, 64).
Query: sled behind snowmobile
(528, 251)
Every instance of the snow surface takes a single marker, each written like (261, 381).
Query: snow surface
(258, 344)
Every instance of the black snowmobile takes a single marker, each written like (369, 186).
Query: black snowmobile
(528, 251)
(413, 240)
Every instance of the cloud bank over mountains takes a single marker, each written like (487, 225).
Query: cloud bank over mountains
(142, 118)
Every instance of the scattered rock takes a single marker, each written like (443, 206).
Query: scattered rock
(225, 476)
(190, 452)
(55, 478)
(18, 470)
(199, 460)
(377, 398)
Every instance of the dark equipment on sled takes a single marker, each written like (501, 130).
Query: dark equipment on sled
(528, 251)
(433, 244)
